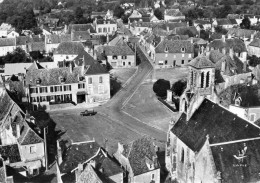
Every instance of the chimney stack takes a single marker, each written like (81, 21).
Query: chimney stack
(231, 53)
(223, 38)
(223, 66)
(59, 153)
(244, 66)
(251, 37)
(70, 66)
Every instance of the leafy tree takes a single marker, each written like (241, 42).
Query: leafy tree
(246, 23)
(204, 34)
(17, 56)
(119, 11)
(158, 13)
(36, 30)
(249, 2)
(222, 12)
(160, 87)
(221, 30)
(179, 87)
(78, 13)
(254, 61)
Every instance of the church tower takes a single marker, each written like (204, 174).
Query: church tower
(200, 84)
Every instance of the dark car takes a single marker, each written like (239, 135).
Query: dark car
(88, 112)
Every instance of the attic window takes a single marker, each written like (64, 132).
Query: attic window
(62, 79)
(81, 78)
(166, 49)
(182, 49)
(49, 40)
(38, 81)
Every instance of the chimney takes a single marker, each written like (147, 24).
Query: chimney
(223, 66)
(17, 130)
(107, 39)
(229, 36)
(224, 51)
(83, 65)
(32, 119)
(71, 69)
(72, 35)
(231, 53)
(223, 38)
(191, 40)
(59, 153)
(167, 28)
(251, 37)
(80, 167)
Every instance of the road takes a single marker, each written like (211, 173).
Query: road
(112, 111)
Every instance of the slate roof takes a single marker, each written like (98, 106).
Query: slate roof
(56, 39)
(174, 46)
(240, 33)
(28, 136)
(80, 35)
(223, 21)
(201, 62)
(69, 48)
(235, 43)
(78, 153)
(7, 42)
(37, 46)
(10, 152)
(117, 41)
(138, 151)
(172, 25)
(5, 104)
(101, 21)
(255, 43)
(203, 22)
(182, 30)
(211, 119)
(173, 12)
(89, 176)
(117, 50)
(231, 169)
(109, 166)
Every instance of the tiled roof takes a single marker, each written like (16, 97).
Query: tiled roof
(201, 62)
(5, 104)
(141, 24)
(28, 136)
(234, 170)
(172, 25)
(7, 42)
(233, 21)
(10, 152)
(117, 41)
(223, 21)
(140, 150)
(203, 22)
(173, 12)
(211, 119)
(141, 19)
(99, 21)
(80, 35)
(117, 50)
(70, 48)
(240, 33)
(178, 37)
(56, 39)
(89, 176)
(81, 27)
(234, 16)
(235, 43)
(183, 30)
(255, 43)
(174, 46)
(37, 46)
(78, 153)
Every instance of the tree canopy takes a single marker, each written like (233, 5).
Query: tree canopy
(179, 86)
(160, 87)
(246, 23)
(158, 12)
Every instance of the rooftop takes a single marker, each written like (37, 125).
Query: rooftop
(10, 152)
(175, 46)
(69, 48)
(201, 62)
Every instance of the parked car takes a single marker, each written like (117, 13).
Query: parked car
(88, 112)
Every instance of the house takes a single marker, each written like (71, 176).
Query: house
(139, 19)
(170, 53)
(7, 45)
(208, 143)
(249, 113)
(173, 14)
(234, 45)
(82, 80)
(137, 27)
(80, 27)
(244, 34)
(254, 48)
(224, 23)
(12, 34)
(135, 14)
(104, 27)
(119, 55)
(22, 146)
(52, 41)
(139, 160)
(202, 24)
(5, 29)
(87, 158)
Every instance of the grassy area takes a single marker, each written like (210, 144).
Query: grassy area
(172, 74)
(123, 74)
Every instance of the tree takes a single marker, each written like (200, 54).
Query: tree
(160, 87)
(220, 29)
(119, 11)
(17, 56)
(179, 87)
(253, 61)
(245, 24)
(36, 30)
(78, 13)
(158, 13)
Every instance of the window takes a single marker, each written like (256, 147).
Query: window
(100, 89)
(252, 117)
(189, 55)
(129, 63)
(191, 78)
(152, 176)
(182, 49)
(58, 88)
(182, 155)
(165, 62)
(43, 99)
(32, 149)
(90, 89)
(43, 90)
(81, 85)
(124, 57)
(67, 87)
(104, 29)
(100, 79)
(89, 80)
(166, 49)
(123, 63)
(99, 29)
(207, 79)
(108, 29)
(114, 28)
(51, 88)
(114, 57)
(183, 55)
(202, 80)
(182, 62)
(34, 90)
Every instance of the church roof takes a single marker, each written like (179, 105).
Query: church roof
(201, 62)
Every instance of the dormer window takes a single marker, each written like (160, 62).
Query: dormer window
(114, 57)
(182, 49)
(49, 40)
(38, 81)
(62, 79)
(166, 49)
(81, 78)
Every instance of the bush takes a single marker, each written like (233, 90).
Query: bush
(160, 87)
(179, 87)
